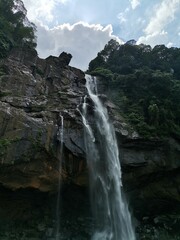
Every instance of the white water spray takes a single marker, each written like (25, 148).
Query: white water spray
(113, 220)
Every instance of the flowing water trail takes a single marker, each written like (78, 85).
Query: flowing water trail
(61, 139)
(113, 220)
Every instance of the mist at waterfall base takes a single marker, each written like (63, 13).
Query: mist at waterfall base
(110, 210)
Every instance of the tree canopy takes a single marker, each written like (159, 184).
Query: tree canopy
(145, 83)
(15, 28)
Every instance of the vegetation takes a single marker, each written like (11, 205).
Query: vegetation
(15, 29)
(145, 83)
(5, 143)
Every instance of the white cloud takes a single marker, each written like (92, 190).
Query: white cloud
(169, 45)
(121, 17)
(154, 38)
(38, 10)
(81, 39)
(163, 15)
(152, 22)
(134, 3)
(42, 9)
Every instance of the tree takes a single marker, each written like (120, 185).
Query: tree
(153, 111)
(15, 28)
(149, 82)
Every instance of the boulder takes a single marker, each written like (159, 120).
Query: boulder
(65, 58)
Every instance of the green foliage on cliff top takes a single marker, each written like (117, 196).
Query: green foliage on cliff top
(15, 29)
(145, 83)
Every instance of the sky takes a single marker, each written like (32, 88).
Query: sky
(83, 27)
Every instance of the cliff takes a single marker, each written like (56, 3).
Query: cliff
(34, 94)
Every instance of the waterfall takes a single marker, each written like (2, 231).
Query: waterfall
(110, 210)
(60, 137)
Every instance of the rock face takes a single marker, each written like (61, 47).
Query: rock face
(34, 94)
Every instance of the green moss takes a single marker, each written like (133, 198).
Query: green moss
(40, 72)
(5, 143)
(5, 93)
(2, 71)
(38, 108)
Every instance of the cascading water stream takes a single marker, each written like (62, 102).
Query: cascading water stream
(113, 220)
(61, 139)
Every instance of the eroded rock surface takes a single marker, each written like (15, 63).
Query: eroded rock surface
(34, 94)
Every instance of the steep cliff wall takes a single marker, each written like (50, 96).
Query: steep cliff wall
(34, 93)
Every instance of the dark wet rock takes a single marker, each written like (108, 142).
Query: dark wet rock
(65, 58)
(30, 109)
